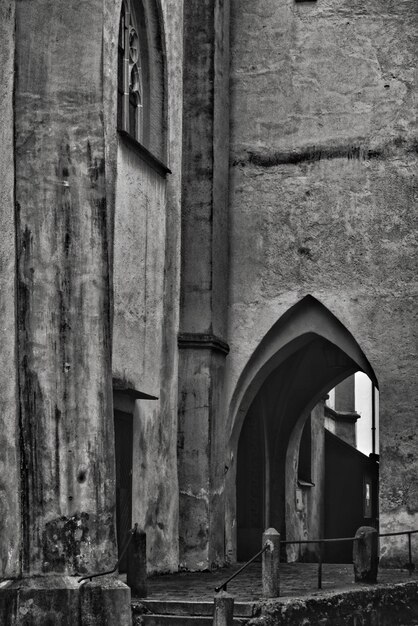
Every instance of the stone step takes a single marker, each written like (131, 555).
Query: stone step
(192, 608)
(184, 620)
(187, 612)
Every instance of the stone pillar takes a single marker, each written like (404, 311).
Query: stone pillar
(203, 283)
(103, 603)
(136, 577)
(366, 555)
(223, 614)
(271, 564)
(9, 414)
(63, 287)
(67, 476)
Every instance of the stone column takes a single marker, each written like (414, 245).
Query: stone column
(9, 434)
(63, 301)
(270, 564)
(366, 555)
(223, 612)
(63, 286)
(203, 283)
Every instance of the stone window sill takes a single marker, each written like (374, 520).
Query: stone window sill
(145, 154)
(305, 484)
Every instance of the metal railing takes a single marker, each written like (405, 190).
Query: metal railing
(228, 580)
(321, 549)
(410, 566)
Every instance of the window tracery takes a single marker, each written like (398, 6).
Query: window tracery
(141, 107)
(130, 79)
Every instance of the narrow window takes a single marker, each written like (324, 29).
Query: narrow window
(305, 454)
(121, 62)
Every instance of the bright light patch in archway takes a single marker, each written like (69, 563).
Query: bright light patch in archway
(363, 406)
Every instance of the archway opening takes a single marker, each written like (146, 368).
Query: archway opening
(300, 467)
(351, 462)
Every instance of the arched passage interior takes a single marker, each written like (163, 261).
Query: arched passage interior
(307, 353)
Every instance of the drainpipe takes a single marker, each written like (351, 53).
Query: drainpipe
(373, 420)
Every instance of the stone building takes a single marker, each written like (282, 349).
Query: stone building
(208, 222)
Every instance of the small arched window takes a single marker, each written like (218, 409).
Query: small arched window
(141, 75)
(305, 454)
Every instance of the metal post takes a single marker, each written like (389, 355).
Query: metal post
(136, 577)
(321, 557)
(271, 564)
(411, 566)
(223, 614)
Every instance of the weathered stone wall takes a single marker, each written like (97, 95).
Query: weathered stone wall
(63, 291)
(323, 159)
(146, 276)
(166, 551)
(203, 311)
(305, 503)
(9, 456)
(139, 257)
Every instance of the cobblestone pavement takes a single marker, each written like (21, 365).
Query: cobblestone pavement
(297, 579)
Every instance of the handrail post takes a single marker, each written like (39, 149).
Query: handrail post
(366, 555)
(223, 613)
(271, 564)
(136, 577)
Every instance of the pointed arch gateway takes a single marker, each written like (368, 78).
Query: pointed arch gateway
(306, 353)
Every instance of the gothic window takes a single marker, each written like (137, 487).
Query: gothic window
(141, 76)
(130, 78)
(305, 454)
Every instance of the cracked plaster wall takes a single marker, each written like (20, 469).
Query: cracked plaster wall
(146, 277)
(323, 165)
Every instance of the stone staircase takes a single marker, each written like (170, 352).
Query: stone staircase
(185, 613)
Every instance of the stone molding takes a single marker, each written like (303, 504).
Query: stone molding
(341, 416)
(124, 386)
(205, 341)
(147, 156)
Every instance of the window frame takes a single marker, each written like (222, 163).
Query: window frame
(147, 23)
(127, 26)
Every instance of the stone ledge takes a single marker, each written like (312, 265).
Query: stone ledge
(202, 341)
(147, 156)
(188, 607)
(377, 605)
(349, 417)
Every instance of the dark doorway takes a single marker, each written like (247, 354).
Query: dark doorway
(123, 454)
